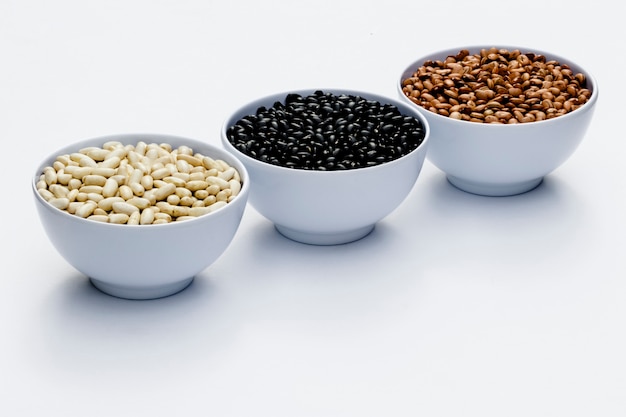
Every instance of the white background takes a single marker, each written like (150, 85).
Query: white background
(456, 305)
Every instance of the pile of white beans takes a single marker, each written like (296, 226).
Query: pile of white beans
(146, 183)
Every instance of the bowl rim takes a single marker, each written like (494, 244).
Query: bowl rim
(443, 53)
(242, 111)
(150, 138)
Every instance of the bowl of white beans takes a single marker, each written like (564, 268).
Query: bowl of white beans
(502, 117)
(140, 215)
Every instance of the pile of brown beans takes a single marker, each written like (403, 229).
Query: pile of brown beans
(497, 86)
(146, 183)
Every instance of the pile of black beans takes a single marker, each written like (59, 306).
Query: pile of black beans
(326, 132)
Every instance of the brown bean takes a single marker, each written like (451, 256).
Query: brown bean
(485, 94)
(479, 82)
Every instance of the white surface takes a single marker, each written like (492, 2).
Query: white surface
(456, 305)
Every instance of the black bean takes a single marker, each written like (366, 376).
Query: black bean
(323, 131)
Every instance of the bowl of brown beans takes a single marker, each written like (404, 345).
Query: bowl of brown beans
(326, 165)
(140, 215)
(502, 118)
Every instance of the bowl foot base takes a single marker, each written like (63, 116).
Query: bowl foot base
(325, 238)
(494, 190)
(141, 293)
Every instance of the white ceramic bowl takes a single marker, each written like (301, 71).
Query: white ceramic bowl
(143, 261)
(502, 159)
(328, 207)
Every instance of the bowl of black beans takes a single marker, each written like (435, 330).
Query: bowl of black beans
(326, 165)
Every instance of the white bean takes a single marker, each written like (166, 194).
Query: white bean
(80, 172)
(217, 181)
(92, 179)
(111, 162)
(74, 184)
(97, 154)
(137, 188)
(183, 166)
(86, 209)
(199, 211)
(58, 190)
(235, 187)
(118, 218)
(99, 218)
(147, 182)
(73, 194)
(134, 218)
(103, 171)
(86, 161)
(46, 194)
(60, 203)
(191, 160)
(139, 202)
(124, 207)
(126, 192)
(50, 175)
(63, 178)
(179, 182)
(58, 166)
(91, 189)
(196, 185)
(95, 197)
(196, 176)
(147, 216)
(110, 187)
(209, 163)
(164, 191)
(161, 173)
(74, 205)
(107, 203)
(228, 174)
